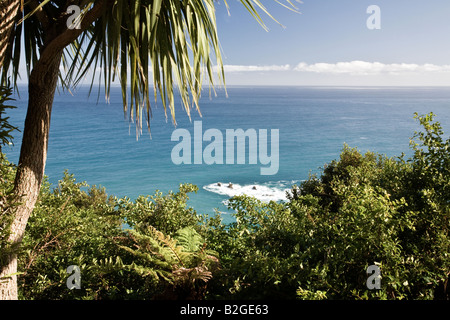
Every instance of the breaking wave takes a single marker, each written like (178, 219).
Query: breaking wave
(265, 192)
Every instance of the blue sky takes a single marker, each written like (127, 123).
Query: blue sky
(329, 43)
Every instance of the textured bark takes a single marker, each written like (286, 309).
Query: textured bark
(33, 153)
(8, 13)
(31, 166)
(8, 284)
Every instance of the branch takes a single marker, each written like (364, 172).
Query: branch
(66, 37)
(40, 14)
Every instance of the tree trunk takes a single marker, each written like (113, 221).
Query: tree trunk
(8, 13)
(31, 166)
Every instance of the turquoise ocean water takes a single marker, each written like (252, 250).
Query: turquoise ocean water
(93, 140)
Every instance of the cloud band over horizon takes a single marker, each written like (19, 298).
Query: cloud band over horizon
(370, 68)
(351, 68)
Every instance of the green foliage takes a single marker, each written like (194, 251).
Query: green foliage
(364, 209)
(168, 45)
(75, 224)
(258, 252)
(70, 225)
(5, 127)
(8, 204)
(167, 213)
(181, 264)
(8, 201)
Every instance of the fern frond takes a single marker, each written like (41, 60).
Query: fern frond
(181, 261)
(192, 274)
(149, 258)
(176, 250)
(189, 239)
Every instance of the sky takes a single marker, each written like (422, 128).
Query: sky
(329, 43)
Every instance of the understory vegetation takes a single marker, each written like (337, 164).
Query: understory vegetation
(362, 210)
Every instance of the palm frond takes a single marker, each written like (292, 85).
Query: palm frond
(170, 45)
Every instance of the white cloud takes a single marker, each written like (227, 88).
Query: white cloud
(370, 68)
(351, 68)
(240, 68)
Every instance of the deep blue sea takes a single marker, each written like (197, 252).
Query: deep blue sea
(93, 140)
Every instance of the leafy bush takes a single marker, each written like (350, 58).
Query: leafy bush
(5, 127)
(181, 264)
(75, 224)
(69, 226)
(363, 210)
(8, 201)
(167, 213)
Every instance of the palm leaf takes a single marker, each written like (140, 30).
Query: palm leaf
(170, 45)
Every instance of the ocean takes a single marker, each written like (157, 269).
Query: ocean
(94, 141)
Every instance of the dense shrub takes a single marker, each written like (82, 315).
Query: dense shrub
(75, 224)
(70, 225)
(363, 210)
(6, 129)
(8, 201)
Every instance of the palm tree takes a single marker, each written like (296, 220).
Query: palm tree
(172, 42)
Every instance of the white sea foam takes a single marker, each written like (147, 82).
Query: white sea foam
(264, 192)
